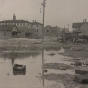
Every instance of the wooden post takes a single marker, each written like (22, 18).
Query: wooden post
(43, 4)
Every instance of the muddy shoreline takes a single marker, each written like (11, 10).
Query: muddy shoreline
(57, 66)
(66, 79)
(27, 45)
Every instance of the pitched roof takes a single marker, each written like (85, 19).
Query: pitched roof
(15, 21)
(77, 25)
(48, 27)
(6, 27)
(20, 29)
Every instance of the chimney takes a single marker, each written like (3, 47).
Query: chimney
(85, 20)
(14, 17)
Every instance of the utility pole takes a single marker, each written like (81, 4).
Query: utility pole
(64, 33)
(43, 4)
(68, 27)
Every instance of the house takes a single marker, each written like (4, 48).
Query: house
(18, 23)
(8, 31)
(81, 28)
(23, 32)
(52, 31)
(37, 28)
(24, 25)
(33, 33)
(56, 31)
(47, 30)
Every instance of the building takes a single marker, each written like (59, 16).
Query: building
(18, 23)
(56, 31)
(47, 30)
(52, 31)
(33, 33)
(24, 25)
(8, 31)
(37, 29)
(23, 32)
(81, 28)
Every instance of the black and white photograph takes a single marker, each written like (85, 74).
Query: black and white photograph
(43, 43)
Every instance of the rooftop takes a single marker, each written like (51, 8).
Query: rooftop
(6, 27)
(20, 29)
(78, 25)
(15, 21)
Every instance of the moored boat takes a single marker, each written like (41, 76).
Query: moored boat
(18, 67)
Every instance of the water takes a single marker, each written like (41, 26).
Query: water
(60, 72)
(33, 62)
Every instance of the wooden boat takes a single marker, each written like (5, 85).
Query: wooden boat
(18, 67)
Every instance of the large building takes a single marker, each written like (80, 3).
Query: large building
(25, 25)
(37, 28)
(81, 28)
(19, 23)
(9, 31)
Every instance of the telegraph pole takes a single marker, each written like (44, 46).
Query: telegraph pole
(68, 27)
(43, 4)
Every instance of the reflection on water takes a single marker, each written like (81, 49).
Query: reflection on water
(49, 71)
(14, 55)
(19, 72)
(33, 62)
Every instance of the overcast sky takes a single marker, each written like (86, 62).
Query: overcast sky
(57, 12)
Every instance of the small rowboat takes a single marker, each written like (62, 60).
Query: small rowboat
(18, 67)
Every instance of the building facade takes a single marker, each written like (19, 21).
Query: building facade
(24, 25)
(8, 31)
(23, 32)
(52, 31)
(18, 23)
(81, 28)
(36, 29)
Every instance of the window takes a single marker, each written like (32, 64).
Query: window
(20, 24)
(4, 33)
(37, 25)
(37, 30)
(25, 24)
(47, 30)
(53, 30)
(31, 25)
